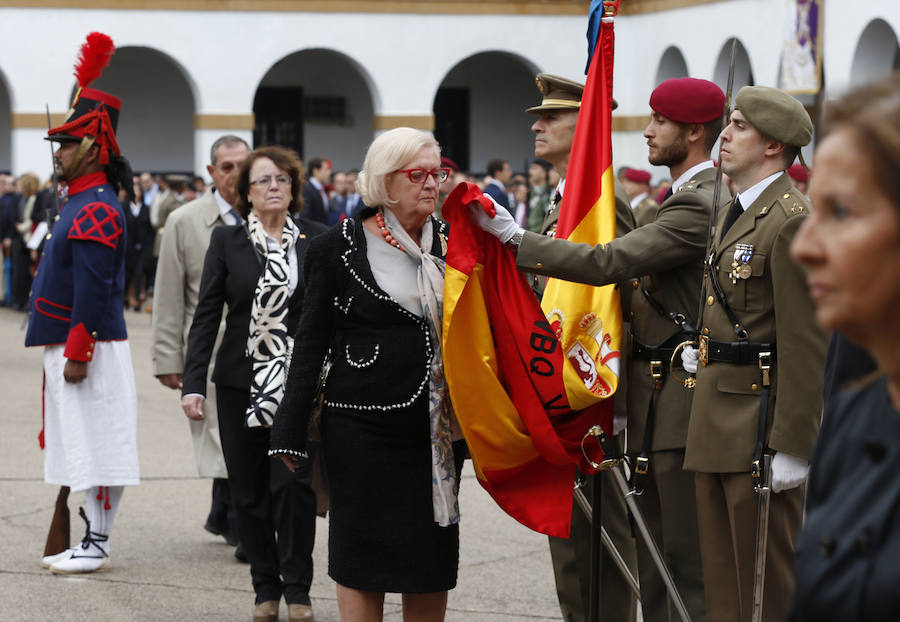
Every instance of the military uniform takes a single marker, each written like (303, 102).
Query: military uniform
(767, 294)
(645, 211)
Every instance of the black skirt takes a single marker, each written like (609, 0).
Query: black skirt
(382, 535)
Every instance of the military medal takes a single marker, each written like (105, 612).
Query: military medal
(740, 267)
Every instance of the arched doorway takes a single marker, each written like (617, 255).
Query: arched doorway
(877, 53)
(671, 65)
(156, 125)
(743, 72)
(479, 111)
(319, 103)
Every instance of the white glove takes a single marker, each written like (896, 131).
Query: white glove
(788, 471)
(502, 226)
(690, 356)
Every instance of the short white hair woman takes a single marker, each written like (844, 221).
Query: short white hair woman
(373, 309)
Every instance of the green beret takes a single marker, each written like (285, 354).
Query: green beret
(775, 114)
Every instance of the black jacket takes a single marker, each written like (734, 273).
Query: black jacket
(313, 206)
(381, 352)
(231, 271)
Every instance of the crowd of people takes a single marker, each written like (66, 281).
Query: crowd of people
(328, 359)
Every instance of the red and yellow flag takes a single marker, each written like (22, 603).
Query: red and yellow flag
(527, 383)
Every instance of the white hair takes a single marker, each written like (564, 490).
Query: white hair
(386, 154)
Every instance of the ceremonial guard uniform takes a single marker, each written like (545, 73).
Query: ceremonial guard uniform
(77, 306)
(761, 364)
(669, 251)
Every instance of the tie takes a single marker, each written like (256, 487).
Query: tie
(237, 217)
(733, 214)
(554, 204)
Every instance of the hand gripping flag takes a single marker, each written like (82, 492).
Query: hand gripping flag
(527, 383)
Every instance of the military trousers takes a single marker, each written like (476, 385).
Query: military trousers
(671, 517)
(572, 561)
(727, 517)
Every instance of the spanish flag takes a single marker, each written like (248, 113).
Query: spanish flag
(527, 383)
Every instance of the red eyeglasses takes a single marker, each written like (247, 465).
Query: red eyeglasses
(418, 175)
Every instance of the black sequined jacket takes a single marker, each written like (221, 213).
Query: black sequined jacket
(380, 352)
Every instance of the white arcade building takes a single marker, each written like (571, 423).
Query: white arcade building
(325, 76)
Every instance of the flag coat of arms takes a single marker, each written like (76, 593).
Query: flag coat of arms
(528, 379)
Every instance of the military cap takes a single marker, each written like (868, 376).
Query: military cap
(559, 93)
(688, 100)
(638, 176)
(775, 114)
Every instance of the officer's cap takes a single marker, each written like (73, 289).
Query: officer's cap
(775, 114)
(559, 93)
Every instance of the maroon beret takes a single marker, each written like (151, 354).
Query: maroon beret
(638, 176)
(448, 163)
(798, 173)
(688, 100)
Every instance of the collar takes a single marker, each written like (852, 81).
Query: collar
(637, 200)
(690, 173)
(748, 196)
(316, 184)
(222, 204)
(92, 180)
(560, 187)
(497, 183)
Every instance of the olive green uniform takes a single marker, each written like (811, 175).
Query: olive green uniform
(769, 296)
(670, 251)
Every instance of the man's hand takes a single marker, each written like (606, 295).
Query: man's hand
(689, 358)
(173, 381)
(75, 371)
(502, 226)
(788, 471)
(192, 405)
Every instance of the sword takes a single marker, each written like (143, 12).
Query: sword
(608, 544)
(764, 490)
(611, 463)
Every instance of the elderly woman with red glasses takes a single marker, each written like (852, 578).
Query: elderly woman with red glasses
(372, 319)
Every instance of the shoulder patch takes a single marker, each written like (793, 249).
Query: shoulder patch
(97, 222)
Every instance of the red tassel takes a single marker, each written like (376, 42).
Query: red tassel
(93, 58)
(99, 493)
(107, 506)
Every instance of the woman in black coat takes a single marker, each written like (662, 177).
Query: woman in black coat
(254, 268)
(847, 554)
(374, 297)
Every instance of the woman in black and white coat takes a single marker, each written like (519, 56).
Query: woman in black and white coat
(254, 268)
(374, 302)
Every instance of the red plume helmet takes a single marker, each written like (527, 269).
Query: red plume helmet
(94, 115)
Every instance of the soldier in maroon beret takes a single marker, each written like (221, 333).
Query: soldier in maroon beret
(799, 175)
(637, 186)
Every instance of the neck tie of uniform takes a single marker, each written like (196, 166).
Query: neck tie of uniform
(667, 194)
(733, 214)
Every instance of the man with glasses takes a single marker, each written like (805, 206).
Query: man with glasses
(180, 267)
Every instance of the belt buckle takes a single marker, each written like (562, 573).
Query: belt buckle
(656, 372)
(704, 350)
(765, 365)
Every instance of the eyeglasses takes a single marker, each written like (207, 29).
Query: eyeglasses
(418, 175)
(265, 181)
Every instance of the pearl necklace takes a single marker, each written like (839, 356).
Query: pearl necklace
(379, 220)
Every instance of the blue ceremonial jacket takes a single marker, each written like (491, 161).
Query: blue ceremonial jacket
(77, 296)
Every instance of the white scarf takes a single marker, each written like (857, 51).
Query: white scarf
(269, 344)
(430, 282)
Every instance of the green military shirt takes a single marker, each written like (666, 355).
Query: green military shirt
(773, 303)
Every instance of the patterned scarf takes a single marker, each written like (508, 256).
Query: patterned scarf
(269, 344)
(430, 281)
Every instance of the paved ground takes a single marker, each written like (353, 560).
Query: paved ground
(164, 566)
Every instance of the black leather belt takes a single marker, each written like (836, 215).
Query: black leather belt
(662, 352)
(737, 352)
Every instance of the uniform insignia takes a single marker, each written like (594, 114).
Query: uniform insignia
(97, 222)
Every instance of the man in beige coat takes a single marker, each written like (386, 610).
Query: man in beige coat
(187, 233)
(761, 361)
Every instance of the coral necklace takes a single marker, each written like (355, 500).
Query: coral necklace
(379, 220)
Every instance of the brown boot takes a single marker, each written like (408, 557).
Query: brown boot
(266, 611)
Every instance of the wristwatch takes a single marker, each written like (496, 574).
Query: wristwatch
(514, 242)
